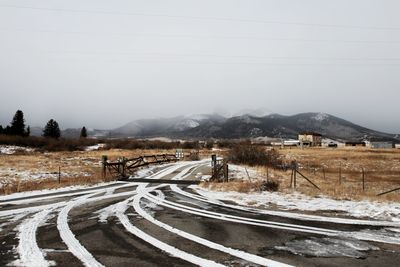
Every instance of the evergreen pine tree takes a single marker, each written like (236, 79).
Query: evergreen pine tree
(52, 129)
(18, 124)
(1, 129)
(28, 131)
(83, 132)
(7, 130)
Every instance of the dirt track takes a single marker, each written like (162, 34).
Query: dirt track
(140, 224)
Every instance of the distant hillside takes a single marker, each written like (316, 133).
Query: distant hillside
(250, 126)
(276, 125)
(243, 126)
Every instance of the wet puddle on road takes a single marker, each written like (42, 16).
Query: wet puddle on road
(328, 247)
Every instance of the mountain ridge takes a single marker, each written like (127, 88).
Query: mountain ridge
(273, 125)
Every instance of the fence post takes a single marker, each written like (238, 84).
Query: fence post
(123, 161)
(340, 173)
(295, 174)
(104, 159)
(291, 178)
(363, 179)
(226, 171)
(59, 174)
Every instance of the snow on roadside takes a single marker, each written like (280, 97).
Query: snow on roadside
(297, 201)
(9, 150)
(202, 177)
(144, 172)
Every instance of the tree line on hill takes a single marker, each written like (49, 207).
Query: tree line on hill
(17, 127)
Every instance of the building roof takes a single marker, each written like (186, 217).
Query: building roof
(310, 133)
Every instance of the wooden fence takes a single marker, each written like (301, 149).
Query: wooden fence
(124, 167)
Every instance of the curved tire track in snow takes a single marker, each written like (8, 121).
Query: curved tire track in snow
(237, 253)
(69, 238)
(157, 243)
(291, 215)
(29, 252)
(34, 217)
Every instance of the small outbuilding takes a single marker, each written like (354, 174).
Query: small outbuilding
(382, 145)
(355, 144)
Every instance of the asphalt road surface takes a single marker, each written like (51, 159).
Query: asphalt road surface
(152, 224)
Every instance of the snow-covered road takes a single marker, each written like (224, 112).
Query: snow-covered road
(147, 224)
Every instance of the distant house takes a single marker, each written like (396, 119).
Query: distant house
(355, 144)
(397, 146)
(291, 143)
(382, 145)
(310, 139)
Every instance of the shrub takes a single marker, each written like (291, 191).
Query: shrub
(270, 185)
(140, 144)
(191, 145)
(194, 156)
(47, 144)
(254, 155)
(209, 144)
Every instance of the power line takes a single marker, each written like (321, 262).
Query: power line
(191, 36)
(187, 62)
(226, 56)
(343, 26)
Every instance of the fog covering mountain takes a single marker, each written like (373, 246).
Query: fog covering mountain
(250, 126)
(176, 126)
(243, 126)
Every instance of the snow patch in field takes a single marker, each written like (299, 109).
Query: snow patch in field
(239, 172)
(328, 247)
(11, 175)
(95, 147)
(52, 191)
(9, 150)
(35, 175)
(298, 201)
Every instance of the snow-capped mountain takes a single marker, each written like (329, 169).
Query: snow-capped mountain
(275, 125)
(243, 126)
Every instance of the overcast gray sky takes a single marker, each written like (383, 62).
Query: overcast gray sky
(102, 63)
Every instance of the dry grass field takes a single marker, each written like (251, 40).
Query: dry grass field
(339, 172)
(25, 171)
